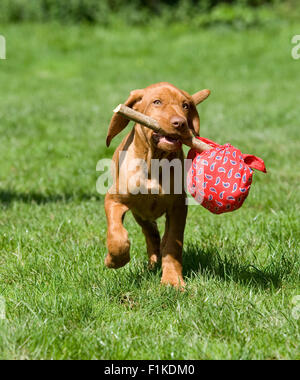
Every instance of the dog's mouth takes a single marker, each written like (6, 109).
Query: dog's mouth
(168, 143)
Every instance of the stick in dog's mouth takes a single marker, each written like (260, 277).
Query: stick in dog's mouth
(153, 124)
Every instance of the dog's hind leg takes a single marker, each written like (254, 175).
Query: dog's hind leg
(118, 243)
(152, 237)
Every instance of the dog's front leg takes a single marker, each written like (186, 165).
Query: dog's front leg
(118, 243)
(172, 245)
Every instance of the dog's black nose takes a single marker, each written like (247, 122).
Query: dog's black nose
(178, 122)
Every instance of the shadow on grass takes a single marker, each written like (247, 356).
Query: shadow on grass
(197, 262)
(7, 197)
(209, 261)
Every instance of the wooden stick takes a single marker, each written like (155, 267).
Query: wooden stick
(153, 124)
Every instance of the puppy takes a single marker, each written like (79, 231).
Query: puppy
(138, 189)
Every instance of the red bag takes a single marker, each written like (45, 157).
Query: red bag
(220, 179)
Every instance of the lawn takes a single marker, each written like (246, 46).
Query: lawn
(58, 87)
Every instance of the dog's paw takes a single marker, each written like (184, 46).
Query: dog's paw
(115, 262)
(174, 280)
(153, 261)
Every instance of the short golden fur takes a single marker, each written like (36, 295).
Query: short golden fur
(176, 112)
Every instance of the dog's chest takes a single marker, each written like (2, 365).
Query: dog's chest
(135, 176)
(149, 187)
(149, 176)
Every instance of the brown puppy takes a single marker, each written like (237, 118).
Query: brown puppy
(141, 191)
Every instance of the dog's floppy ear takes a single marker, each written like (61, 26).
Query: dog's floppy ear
(118, 122)
(194, 120)
(199, 96)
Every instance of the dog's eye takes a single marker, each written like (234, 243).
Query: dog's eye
(157, 102)
(185, 106)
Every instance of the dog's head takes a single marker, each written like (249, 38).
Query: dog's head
(174, 109)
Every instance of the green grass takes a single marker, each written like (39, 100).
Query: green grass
(58, 88)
